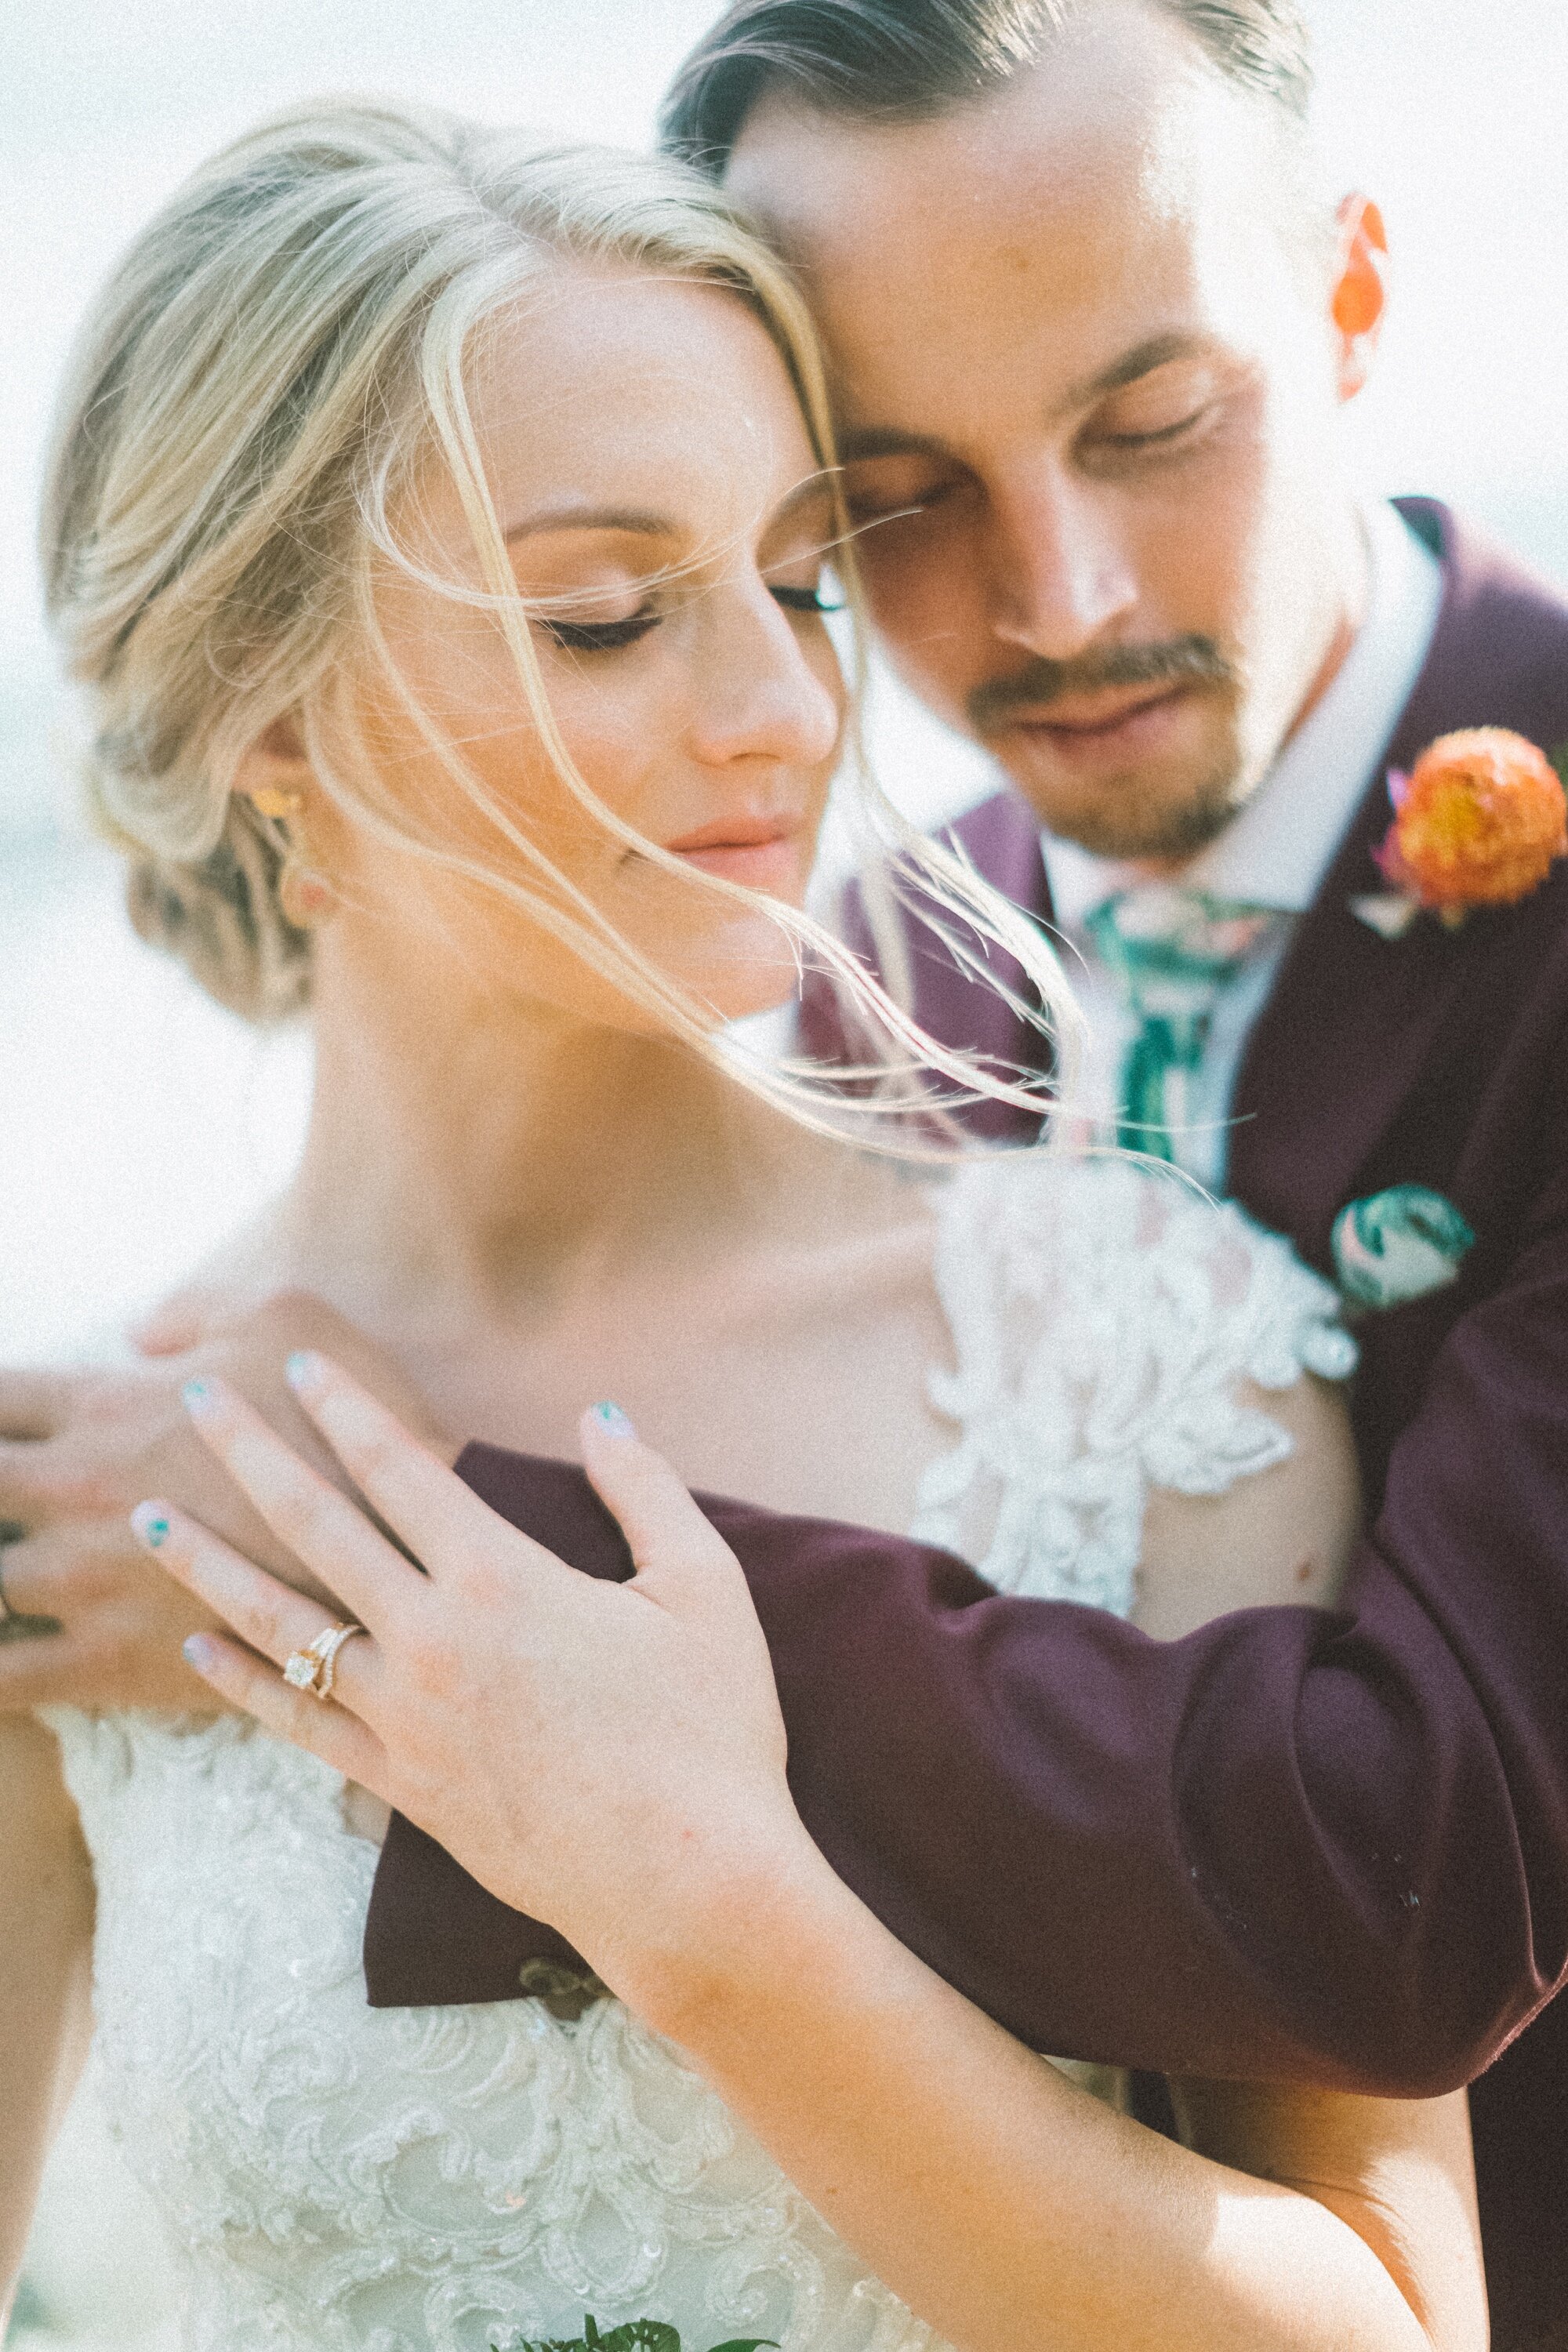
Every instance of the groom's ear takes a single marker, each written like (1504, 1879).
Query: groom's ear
(1359, 297)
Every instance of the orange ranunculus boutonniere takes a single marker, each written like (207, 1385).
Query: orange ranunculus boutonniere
(1479, 821)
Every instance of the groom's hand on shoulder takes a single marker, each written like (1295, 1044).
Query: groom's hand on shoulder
(90, 1620)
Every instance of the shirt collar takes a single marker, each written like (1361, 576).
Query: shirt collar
(1276, 852)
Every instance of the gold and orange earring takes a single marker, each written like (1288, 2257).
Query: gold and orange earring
(271, 799)
(306, 897)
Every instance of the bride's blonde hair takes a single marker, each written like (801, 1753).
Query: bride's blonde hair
(275, 355)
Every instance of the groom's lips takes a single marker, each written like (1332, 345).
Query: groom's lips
(1088, 730)
(761, 852)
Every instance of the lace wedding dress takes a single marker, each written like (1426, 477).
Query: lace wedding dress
(336, 2179)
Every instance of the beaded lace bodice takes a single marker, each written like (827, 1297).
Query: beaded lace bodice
(337, 2178)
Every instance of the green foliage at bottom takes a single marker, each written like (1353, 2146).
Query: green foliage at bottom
(637, 2336)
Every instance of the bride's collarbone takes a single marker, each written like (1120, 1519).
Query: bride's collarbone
(802, 1389)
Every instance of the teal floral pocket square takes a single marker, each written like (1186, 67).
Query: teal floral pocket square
(1398, 1245)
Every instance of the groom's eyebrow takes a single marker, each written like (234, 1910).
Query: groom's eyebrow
(1157, 351)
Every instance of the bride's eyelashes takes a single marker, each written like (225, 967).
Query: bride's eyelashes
(610, 636)
(598, 636)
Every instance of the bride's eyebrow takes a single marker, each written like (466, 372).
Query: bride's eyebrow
(643, 523)
(576, 517)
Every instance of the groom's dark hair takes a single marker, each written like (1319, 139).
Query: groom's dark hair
(908, 60)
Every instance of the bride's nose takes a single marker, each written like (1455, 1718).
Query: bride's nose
(755, 692)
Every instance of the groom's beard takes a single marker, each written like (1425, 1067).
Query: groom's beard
(1156, 806)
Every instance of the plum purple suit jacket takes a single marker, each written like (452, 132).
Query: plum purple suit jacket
(1316, 1847)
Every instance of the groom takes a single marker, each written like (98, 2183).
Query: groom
(1088, 321)
(1091, 328)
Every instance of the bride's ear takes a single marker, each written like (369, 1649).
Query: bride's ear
(275, 777)
(274, 774)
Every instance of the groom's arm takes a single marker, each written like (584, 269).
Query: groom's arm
(1330, 1848)
(89, 1619)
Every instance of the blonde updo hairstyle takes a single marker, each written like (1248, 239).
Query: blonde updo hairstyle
(278, 351)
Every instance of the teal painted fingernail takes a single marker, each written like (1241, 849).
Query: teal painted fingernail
(198, 1652)
(613, 1420)
(303, 1369)
(150, 1524)
(201, 1398)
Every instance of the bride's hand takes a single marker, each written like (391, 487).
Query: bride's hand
(608, 1757)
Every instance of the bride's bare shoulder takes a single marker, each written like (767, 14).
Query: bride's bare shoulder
(1279, 1538)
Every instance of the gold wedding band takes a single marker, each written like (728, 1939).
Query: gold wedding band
(315, 1667)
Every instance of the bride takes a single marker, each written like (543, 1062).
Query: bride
(438, 529)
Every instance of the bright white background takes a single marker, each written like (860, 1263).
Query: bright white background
(136, 1124)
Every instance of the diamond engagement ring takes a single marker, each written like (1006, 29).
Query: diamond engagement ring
(315, 1667)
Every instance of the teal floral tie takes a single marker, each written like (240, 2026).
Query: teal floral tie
(1171, 954)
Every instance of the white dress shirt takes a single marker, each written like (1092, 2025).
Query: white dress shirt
(1275, 853)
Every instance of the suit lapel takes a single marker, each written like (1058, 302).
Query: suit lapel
(1337, 1049)
(1353, 1018)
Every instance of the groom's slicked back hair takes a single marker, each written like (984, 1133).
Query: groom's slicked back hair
(908, 60)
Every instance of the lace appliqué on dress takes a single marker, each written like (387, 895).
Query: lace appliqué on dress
(338, 2178)
(1101, 1319)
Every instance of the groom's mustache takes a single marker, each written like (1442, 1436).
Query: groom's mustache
(1185, 661)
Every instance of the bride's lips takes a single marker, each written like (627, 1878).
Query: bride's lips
(761, 852)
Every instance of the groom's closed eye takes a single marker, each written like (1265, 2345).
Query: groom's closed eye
(1173, 408)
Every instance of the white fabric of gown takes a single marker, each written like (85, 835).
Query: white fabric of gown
(336, 2178)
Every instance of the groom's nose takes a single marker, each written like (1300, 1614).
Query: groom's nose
(1057, 569)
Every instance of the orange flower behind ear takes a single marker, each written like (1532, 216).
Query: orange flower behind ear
(1480, 821)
